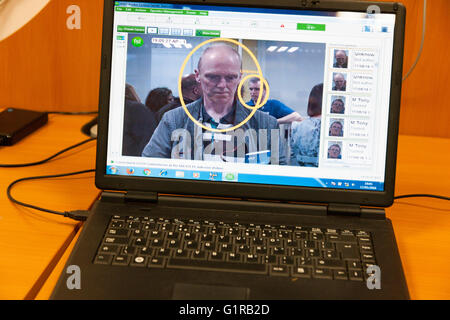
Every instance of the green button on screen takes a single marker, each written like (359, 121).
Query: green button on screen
(310, 27)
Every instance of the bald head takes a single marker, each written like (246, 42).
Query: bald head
(219, 74)
(220, 50)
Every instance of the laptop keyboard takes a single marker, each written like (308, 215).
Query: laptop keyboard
(273, 250)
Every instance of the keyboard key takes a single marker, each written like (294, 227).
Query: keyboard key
(180, 253)
(367, 257)
(109, 249)
(261, 249)
(279, 271)
(348, 251)
(320, 273)
(191, 244)
(271, 259)
(103, 258)
(330, 254)
(300, 235)
(366, 249)
(234, 257)
(301, 261)
(217, 266)
(226, 247)
(356, 275)
(128, 250)
(163, 252)
(116, 240)
(121, 260)
(287, 260)
(223, 239)
(313, 253)
(308, 244)
(296, 252)
(197, 254)
(119, 232)
(340, 275)
(139, 261)
(156, 262)
(145, 251)
(301, 272)
(330, 264)
(217, 256)
(354, 265)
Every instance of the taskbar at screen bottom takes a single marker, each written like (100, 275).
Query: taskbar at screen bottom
(244, 178)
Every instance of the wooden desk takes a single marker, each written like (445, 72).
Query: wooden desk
(422, 225)
(31, 242)
(36, 246)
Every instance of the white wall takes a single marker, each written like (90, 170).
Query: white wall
(14, 14)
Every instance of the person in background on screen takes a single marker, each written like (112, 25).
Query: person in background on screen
(131, 94)
(138, 125)
(191, 90)
(305, 135)
(273, 107)
(158, 98)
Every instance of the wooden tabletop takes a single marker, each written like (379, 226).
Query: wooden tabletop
(35, 246)
(32, 242)
(422, 225)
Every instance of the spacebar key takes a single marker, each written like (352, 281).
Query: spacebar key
(217, 266)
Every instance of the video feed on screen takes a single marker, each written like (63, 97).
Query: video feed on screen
(227, 100)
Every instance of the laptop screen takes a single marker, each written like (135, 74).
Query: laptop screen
(250, 95)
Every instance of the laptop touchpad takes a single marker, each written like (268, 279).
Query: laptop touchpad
(187, 291)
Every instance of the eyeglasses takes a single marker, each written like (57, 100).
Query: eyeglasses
(217, 79)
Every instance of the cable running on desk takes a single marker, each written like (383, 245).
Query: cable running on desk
(21, 165)
(79, 215)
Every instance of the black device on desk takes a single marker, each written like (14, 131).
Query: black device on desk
(190, 221)
(16, 124)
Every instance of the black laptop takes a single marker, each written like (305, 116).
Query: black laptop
(246, 150)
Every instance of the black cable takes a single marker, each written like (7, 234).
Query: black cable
(424, 23)
(78, 215)
(21, 165)
(422, 196)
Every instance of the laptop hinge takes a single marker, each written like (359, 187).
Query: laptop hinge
(354, 210)
(137, 196)
(336, 209)
(133, 196)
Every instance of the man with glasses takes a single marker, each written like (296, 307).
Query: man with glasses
(177, 136)
(338, 106)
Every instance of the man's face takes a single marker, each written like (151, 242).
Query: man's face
(339, 81)
(219, 75)
(255, 88)
(337, 106)
(341, 58)
(334, 152)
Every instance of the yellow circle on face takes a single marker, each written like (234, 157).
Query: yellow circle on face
(259, 75)
(257, 104)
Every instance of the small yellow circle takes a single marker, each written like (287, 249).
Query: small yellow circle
(257, 104)
(259, 75)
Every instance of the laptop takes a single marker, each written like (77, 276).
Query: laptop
(266, 175)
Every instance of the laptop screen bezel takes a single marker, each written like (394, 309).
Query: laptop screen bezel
(257, 191)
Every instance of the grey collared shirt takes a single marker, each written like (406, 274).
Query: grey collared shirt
(177, 136)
